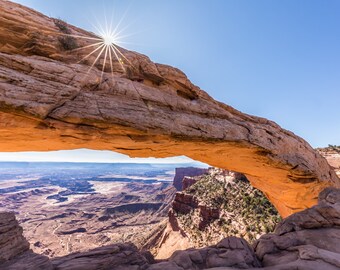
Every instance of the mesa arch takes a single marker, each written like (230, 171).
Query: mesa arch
(49, 101)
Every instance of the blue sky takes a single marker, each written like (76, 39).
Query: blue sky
(275, 59)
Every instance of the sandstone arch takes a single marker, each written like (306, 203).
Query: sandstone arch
(49, 102)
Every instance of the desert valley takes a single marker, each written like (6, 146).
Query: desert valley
(65, 207)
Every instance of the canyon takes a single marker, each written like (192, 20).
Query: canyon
(305, 240)
(72, 207)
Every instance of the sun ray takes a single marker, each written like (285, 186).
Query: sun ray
(97, 49)
(122, 55)
(121, 20)
(110, 56)
(95, 61)
(99, 27)
(104, 63)
(117, 57)
(118, 32)
(104, 46)
(98, 56)
(88, 46)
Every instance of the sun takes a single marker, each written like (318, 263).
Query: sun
(109, 39)
(105, 47)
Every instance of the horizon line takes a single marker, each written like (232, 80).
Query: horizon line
(98, 162)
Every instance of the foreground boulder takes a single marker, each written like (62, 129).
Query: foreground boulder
(143, 109)
(230, 252)
(305, 240)
(118, 256)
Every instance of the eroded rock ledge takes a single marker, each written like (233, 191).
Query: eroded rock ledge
(50, 102)
(305, 240)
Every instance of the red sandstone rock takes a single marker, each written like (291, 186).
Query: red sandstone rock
(14, 248)
(181, 173)
(12, 242)
(188, 182)
(305, 240)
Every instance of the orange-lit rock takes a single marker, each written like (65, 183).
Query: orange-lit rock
(48, 102)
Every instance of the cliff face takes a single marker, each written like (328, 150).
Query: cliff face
(183, 172)
(12, 241)
(332, 154)
(143, 110)
(14, 248)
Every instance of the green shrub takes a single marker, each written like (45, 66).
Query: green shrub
(62, 25)
(66, 41)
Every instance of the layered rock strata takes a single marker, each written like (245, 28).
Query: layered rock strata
(181, 173)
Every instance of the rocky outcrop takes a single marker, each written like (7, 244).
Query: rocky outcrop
(12, 241)
(185, 204)
(14, 248)
(188, 182)
(231, 252)
(332, 154)
(208, 214)
(28, 261)
(144, 109)
(118, 256)
(181, 173)
(305, 240)
(220, 203)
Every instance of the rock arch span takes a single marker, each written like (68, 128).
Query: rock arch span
(50, 102)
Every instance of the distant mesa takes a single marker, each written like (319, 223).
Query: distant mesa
(181, 173)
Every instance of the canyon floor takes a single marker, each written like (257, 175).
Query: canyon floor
(65, 208)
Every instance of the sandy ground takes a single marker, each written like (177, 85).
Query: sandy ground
(107, 187)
